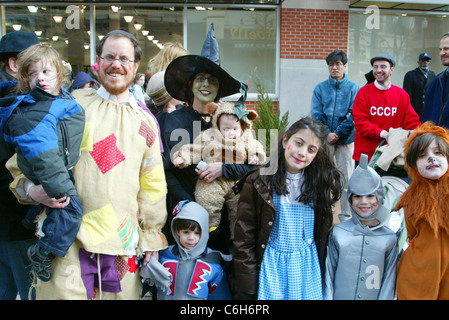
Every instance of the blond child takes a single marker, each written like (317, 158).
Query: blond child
(46, 125)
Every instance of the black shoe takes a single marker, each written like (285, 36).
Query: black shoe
(40, 262)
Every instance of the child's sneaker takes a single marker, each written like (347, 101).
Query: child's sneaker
(40, 262)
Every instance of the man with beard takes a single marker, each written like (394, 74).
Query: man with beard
(436, 107)
(380, 106)
(120, 181)
(417, 81)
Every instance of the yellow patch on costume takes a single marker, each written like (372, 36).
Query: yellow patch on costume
(87, 143)
(101, 224)
(154, 184)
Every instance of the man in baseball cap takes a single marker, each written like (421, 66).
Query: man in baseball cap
(417, 80)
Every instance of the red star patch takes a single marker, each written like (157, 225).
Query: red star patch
(106, 154)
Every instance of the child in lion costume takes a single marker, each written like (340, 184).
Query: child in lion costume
(424, 267)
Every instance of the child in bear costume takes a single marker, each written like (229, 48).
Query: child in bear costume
(230, 140)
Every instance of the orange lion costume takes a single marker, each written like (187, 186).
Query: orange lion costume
(424, 267)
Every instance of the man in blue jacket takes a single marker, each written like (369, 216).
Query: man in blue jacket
(436, 105)
(332, 102)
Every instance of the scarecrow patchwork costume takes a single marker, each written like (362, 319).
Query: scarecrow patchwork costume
(123, 212)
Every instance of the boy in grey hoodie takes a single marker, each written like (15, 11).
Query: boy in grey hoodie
(362, 251)
(188, 270)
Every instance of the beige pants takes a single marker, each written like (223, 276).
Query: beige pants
(66, 282)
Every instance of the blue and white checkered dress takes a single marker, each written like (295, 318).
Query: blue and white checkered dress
(290, 268)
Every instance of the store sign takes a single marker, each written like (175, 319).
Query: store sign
(247, 34)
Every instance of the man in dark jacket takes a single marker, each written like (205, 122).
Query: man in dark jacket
(417, 81)
(436, 107)
(14, 237)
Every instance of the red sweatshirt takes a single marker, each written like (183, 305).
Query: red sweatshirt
(376, 110)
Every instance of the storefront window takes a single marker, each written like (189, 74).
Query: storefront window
(65, 31)
(246, 39)
(246, 35)
(403, 35)
(152, 26)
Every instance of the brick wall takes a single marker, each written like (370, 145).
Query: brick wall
(252, 105)
(313, 33)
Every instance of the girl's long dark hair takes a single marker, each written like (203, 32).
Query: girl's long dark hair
(322, 185)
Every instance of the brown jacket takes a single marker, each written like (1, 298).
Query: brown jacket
(255, 219)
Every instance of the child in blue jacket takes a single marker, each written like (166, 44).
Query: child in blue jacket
(46, 125)
(188, 270)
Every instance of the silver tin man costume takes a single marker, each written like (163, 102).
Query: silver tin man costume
(361, 260)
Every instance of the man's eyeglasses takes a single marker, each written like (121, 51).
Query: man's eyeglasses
(123, 60)
(335, 64)
(211, 80)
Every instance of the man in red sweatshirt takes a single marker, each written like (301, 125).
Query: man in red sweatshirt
(380, 106)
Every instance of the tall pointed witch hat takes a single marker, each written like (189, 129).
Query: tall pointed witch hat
(183, 69)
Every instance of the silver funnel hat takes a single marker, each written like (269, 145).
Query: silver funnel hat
(364, 181)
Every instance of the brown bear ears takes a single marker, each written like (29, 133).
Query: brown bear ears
(211, 108)
(252, 115)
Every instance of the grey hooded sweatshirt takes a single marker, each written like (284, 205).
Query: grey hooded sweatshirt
(361, 261)
(186, 274)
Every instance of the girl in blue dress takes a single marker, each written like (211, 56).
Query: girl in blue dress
(284, 219)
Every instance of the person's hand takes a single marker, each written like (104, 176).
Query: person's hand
(253, 159)
(384, 134)
(178, 161)
(38, 194)
(332, 137)
(210, 172)
(148, 255)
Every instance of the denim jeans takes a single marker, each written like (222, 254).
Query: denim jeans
(15, 269)
(61, 227)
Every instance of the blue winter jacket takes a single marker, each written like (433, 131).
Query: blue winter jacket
(433, 109)
(47, 131)
(332, 103)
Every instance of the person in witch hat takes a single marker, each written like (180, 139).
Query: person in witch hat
(198, 80)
